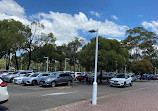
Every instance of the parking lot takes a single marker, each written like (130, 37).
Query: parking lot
(35, 98)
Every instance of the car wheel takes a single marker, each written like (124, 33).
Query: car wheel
(11, 80)
(69, 83)
(99, 81)
(124, 85)
(131, 84)
(53, 84)
(34, 83)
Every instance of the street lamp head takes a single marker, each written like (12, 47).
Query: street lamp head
(67, 59)
(46, 57)
(92, 31)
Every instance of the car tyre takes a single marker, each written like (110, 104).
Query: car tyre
(53, 84)
(69, 83)
(34, 83)
(11, 80)
(99, 81)
(131, 84)
(124, 85)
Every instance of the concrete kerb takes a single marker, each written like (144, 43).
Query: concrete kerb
(89, 100)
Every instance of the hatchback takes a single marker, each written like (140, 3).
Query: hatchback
(4, 96)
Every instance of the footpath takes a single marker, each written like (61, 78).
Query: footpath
(145, 99)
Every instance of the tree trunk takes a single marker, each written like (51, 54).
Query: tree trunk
(16, 61)
(8, 64)
(101, 75)
(74, 65)
(28, 66)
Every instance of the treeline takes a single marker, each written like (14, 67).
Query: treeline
(112, 54)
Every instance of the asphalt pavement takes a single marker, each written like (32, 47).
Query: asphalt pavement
(36, 98)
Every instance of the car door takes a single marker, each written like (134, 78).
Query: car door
(128, 79)
(43, 76)
(59, 79)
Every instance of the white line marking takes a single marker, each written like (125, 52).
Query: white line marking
(62, 93)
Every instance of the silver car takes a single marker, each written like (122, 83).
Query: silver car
(10, 77)
(57, 78)
(35, 78)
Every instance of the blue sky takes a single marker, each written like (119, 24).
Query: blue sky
(70, 18)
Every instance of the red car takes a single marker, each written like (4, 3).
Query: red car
(82, 76)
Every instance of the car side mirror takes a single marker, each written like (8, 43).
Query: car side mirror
(58, 77)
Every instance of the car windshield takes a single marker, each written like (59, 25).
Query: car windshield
(27, 75)
(34, 75)
(120, 76)
(82, 74)
(53, 75)
(15, 72)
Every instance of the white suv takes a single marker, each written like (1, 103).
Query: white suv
(121, 80)
(4, 96)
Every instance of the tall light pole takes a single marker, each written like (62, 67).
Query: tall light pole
(65, 63)
(94, 95)
(155, 70)
(116, 67)
(125, 69)
(55, 65)
(47, 62)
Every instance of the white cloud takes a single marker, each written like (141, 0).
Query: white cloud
(10, 7)
(23, 20)
(153, 25)
(95, 13)
(65, 27)
(114, 17)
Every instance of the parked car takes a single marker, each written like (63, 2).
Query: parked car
(5, 73)
(74, 75)
(57, 78)
(99, 77)
(18, 80)
(4, 96)
(121, 80)
(82, 76)
(134, 77)
(10, 77)
(91, 78)
(35, 78)
(156, 77)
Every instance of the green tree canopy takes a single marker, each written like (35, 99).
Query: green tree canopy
(141, 67)
(111, 54)
(140, 38)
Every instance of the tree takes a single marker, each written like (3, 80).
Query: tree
(110, 53)
(71, 51)
(140, 38)
(12, 34)
(37, 39)
(141, 67)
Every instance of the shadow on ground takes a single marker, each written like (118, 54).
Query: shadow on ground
(3, 108)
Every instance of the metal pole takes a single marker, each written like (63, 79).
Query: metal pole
(65, 64)
(47, 64)
(94, 96)
(125, 69)
(116, 67)
(155, 70)
(6, 63)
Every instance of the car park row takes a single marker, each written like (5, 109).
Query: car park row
(61, 77)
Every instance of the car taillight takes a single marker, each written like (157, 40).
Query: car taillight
(3, 84)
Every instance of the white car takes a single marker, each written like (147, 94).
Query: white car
(4, 96)
(121, 80)
(18, 80)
